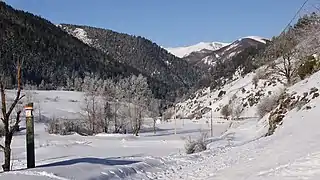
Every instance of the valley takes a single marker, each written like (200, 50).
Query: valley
(113, 105)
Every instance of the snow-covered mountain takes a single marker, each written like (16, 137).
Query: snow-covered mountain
(207, 58)
(185, 51)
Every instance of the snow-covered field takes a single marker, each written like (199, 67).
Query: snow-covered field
(239, 152)
(80, 157)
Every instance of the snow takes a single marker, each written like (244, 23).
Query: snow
(80, 157)
(237, 150)
(209, 61)
(185, 51)
(79, 33)
(82, 35)
(256, 38)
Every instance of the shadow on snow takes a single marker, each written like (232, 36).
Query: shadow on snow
(99, 161)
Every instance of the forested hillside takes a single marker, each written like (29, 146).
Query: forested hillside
(139, 53)
(52, 58)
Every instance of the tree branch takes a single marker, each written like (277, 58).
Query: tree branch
(18, 97)
(16, 124)
(3, 102)
(1, 146)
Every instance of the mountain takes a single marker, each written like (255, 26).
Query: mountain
(219, 66)
(50, 55)
(140, 53)
(53, 58)
(207, 58)
(185, 51)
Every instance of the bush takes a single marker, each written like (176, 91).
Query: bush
(66, 127)
(255, 81)
(195, 146)
(237, 111)
(226, 111)
(267, 105)
(307, 68)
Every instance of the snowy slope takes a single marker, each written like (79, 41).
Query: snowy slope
(256, 38)
(243, 152)
(205, 59)
(184, 51)
(79, 33)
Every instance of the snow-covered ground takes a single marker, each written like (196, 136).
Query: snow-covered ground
(240, 151)
(80, 157)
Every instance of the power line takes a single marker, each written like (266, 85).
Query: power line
(305, 2)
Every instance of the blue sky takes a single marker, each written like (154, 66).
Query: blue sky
(171, 23)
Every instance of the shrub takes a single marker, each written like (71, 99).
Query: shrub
(300, 104)
(226, 111)
(307, 68)
(67, 127)
(237, 111)
(267, 104)
(195, 146)
(255, 81)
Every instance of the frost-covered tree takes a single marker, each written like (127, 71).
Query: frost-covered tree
(141, 100)
(91, 87)
(154, 109)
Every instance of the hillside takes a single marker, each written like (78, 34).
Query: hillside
(49, 54)
(52, 57)
(186, 50)
(227, 63)
(139, 53)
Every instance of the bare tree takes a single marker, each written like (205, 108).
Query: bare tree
(154, 109)
(284, 47)
(141, 100)
(309, 36)
(108, 93)
(91, 102)
(6, 115)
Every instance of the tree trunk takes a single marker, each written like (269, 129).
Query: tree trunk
(154, 126)
(115, 120)
(7, 153)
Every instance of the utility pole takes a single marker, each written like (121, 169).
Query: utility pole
(211, 128)
(30, 136)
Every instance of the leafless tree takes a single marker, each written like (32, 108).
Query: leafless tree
(154, 109)
(309, 36)
(92, 102)
(284, 47)
(6, 116)
(141, 100)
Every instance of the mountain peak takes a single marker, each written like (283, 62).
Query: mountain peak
(186, 50)
(256, 38)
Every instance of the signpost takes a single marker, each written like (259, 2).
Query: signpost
(30, 135)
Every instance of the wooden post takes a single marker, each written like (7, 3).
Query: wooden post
(30, 136)
(211, 128)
